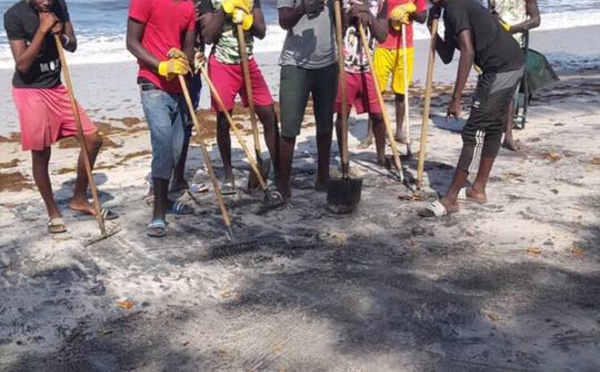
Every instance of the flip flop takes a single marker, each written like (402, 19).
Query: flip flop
(57, 226)
(180, 209)
(106, 214)
(228, 188)
(435, 209)
(157, 228)
(198, 187)
(462, 196)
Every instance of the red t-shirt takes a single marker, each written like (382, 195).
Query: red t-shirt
(166, 22)
(394, 38)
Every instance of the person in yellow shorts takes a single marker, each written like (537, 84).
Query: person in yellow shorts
(389, 57)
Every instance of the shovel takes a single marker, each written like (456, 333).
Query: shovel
(343, 194)
(86, 160)
(406, 84)
(384, 113)
(264, 166)
(427, 104)
(270, 201)
(206, 156)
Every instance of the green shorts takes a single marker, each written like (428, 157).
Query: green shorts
(295, 85)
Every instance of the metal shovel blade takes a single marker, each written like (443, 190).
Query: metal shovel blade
(343, 194)
(265, 168)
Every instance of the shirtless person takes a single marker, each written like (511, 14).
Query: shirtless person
(43, 103)
(478, 36)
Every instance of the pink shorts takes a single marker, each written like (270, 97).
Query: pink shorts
(45, 116)
(229, 82)
(360, 91)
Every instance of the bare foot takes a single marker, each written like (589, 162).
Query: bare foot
(401, 139)
(82, 206)
(365, 143)
(180, 185)
(511, 145)
(449, 205)
(385, 162)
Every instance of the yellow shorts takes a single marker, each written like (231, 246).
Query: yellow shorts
(391, 61)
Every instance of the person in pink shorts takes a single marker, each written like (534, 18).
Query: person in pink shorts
(42, 102)
(360, 89)
(225, 70)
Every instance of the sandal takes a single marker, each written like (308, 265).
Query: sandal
(57, 226)
(157, 228)
(180, 209)
(435, 209)
(106, 214)
(228, 188)
(198, 187)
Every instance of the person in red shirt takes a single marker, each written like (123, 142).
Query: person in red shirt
(157, 29)
(388, 57)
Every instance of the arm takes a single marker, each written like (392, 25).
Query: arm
(445, 48)
(259, 29)
(135, 31)
(188, 44)
(465, 63)
(533, 21)
(289, 17)
(379, 26)
(211, 26)
(69, 42)
(420, 17)
(25, 55)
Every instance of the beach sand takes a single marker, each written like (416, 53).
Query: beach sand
(510, 285)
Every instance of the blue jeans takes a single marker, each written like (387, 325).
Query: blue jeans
(166, 114)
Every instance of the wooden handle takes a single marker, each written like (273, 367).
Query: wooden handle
(205, 154)
(80, 134)
(427, 103)
(236, 131)
(342, 84)
(384, 112)
(248, 84)
(406, 85)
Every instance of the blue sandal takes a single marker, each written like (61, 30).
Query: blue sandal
(157, 228)
(180, 209)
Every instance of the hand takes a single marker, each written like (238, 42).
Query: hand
(57, 29)
(176, 53)
(174, 66)
(48, 21)
(435, 12)
(402, 15)
(199, 60)
(454, 109)
(360, 11)
(240, 16)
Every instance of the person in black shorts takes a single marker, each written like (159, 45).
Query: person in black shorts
(470, 28)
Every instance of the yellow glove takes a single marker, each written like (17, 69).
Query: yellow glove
(401, 14)
(174, 66)
(230, 5)
(505, 26)
(240, 16)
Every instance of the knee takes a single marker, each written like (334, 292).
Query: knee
(222, 123)
(94, 141)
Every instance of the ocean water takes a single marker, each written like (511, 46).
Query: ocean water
(100, 26)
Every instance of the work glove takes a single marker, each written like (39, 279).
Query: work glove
(172, 67)
(230, 5)
(241, 16)
(176, 53)
(401, 15)
(504, 25)
(313, 8)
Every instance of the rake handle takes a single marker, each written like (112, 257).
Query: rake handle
(406, 84)
(248, 84)
(384, 112)
(80, 134)
(342, 84)
(205, 154)
(427, 104)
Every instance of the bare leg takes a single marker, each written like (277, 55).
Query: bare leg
(80, 201)
(161, 201)
(287, 146)
(323, 155)
(399, 103)
(509, 142)
(268, 118)
(366, 142)
(179, 181)
(224, 143)
(379, 131)
(40, 161)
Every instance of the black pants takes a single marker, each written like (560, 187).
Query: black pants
(483, 132)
